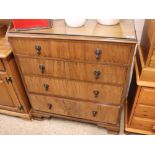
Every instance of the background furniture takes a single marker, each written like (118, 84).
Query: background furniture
(140, 109)
(146, 56)
(76, 73)
(13, 99)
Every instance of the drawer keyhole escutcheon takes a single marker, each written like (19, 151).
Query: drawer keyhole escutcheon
(49, 106)
(20, 108)
(98, 53)
(94, 113)
(38, 49)
(46, 86)
(96, 93)
(42, 68)
(97, 74)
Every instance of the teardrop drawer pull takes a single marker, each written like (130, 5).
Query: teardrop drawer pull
(49, 106)
(96, 93)
(97, 74)
(98, 53)
(38, 49)
(42, 68)
(46, 86)
(94, 113)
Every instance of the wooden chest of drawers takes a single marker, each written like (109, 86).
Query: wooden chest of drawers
(81, 77)
(140, 110)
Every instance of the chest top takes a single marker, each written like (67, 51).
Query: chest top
(122, 32)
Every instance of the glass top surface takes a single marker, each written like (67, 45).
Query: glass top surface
(124, 30)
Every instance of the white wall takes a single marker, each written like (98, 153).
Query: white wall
(139, 23)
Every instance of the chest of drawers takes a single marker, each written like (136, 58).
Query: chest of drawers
(73, 74)
(140, 110)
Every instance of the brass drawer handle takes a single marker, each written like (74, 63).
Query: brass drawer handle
(96, 93)
(38, 49)
(42, 68)
(46, 86)
(49, 106)
(97, 74)
(98, 53)
(94, 113)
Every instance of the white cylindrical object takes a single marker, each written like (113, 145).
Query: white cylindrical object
(75, 22)
(108, 21)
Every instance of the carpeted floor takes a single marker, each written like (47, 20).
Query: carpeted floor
(55, 126)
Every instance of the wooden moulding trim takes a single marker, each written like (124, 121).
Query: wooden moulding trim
(70, 37)
(143, 132)
(43, 115)
(12, 113)
(141, 56)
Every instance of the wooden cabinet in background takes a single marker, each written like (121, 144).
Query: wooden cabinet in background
(140, 107)
(146, 52)
(76, 73)
(13, 98)
(148, 43)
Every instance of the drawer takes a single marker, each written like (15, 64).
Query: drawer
(73, 70)
(73, 50)
(1, 66)
(147, 96)
(74, 89)
(143, 124)
(78, 109)
(145, 111)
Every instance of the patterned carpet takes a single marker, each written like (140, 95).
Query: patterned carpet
(55, 126)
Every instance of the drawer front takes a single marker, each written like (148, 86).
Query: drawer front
(73, 50)
(73, 70)
(145, 111)
(147, 96)
(85, 110)
(74, 89)
(143, 124)
(1, 66)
